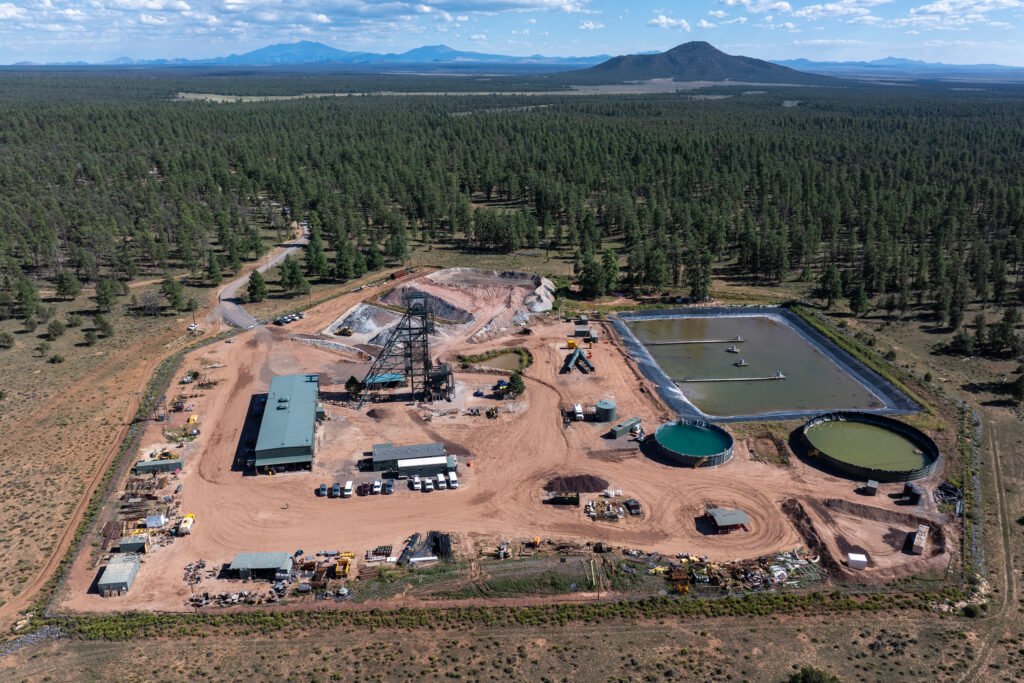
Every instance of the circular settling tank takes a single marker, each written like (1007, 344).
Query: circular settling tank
(867, 446)
(693, 443)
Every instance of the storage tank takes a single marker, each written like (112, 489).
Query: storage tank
(864, 445)
(606, 411)
(694, 443)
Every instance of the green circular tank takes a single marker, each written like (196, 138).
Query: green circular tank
(867, 446)
(694, 443)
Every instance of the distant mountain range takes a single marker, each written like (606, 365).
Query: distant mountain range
(894, 67)
(694, 61)
(307, 52)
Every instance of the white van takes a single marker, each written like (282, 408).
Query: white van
(415, 482)
(347, 491)
(441, 483)
(453, 481)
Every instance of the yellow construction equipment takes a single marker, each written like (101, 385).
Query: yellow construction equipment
(192, 419)
(570, 343)
(341, 569)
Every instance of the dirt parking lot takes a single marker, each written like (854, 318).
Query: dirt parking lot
(504, 464)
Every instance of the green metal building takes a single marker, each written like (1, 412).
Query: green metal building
(288, 430)
(271, 566)
(156, 466)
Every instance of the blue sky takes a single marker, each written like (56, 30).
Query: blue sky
(955, 31)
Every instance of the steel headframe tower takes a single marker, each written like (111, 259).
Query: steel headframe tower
(406, 354)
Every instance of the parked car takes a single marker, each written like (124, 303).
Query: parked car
(347, 491)
(376, 487)
(428, 485)
(336, 490)
(453, 480)
(415, 483)
(364, 489)
(389, 487)
(441, 483)
(322, 491)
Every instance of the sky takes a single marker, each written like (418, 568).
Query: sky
(952, 31)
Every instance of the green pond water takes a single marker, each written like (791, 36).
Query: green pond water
(867, 445)
(506, 361)
(813, 382)
(692, 440)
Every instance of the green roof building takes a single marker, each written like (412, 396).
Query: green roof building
(261, 565)
(288, 429)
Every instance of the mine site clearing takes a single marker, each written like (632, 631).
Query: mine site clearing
(588, 458)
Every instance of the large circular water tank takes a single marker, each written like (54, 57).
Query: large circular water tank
(867, 446)
(606, 411)
(694, 443)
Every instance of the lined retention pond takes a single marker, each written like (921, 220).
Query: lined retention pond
(813, 380)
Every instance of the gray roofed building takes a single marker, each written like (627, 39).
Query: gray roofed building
(724, 518)
(118, 576)
(269, 565)
(137, 543)
(288, 429)
(386, 455)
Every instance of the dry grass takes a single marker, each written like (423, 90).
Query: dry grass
(59, 421)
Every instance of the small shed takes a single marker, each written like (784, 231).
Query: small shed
(155, 521)
(137, 543)
(857, 561)
(269, 566)
(725, 520)
(118, 576)
(871, 488)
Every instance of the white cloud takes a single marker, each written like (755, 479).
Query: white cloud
(661, 21)
(703, 23)
(840, 8)
(760, 6)
(11, 11)
(590, 26)
(151, 5)
(478, 37)
(718, 14)
(152, 20)
(828, 42)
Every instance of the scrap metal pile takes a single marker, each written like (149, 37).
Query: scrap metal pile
(791, 569)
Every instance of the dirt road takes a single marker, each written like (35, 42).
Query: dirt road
(228, 309)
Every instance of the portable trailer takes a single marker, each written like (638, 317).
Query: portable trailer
(624, 428)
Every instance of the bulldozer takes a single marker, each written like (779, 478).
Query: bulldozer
(345, 331)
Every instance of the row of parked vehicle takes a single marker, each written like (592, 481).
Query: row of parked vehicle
(440, 482)
(364, 489)
(387, 487)
(285, 319)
